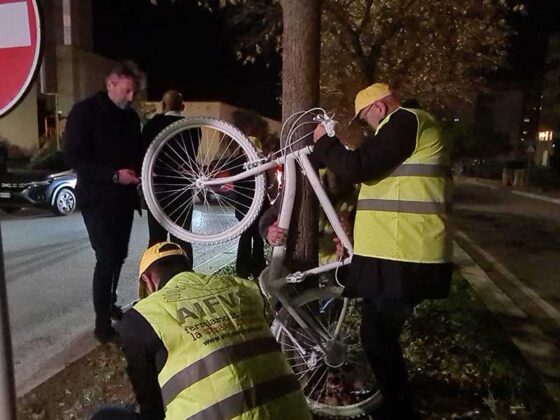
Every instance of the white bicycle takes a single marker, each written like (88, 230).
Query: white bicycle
(213, 194)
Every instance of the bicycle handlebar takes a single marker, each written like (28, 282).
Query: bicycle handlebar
(327, 121)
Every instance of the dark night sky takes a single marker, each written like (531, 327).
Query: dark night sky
(185, 48)
(188, 49)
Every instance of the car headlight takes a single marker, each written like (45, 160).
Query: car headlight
(40, 183)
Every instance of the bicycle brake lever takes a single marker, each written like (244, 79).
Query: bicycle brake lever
(327, 122)
(296, 277)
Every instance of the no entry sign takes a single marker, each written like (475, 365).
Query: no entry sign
(20, 49)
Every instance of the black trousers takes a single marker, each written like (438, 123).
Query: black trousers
(250, 253)
(109, 234)
(157, 233)
(382, 324)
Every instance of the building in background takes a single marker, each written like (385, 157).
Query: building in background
(70, 71)
(549, 123)
(213, 109)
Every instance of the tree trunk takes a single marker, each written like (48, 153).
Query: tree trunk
(300, 91)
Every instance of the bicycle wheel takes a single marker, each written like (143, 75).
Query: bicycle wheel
(341, 386)
(183, 155)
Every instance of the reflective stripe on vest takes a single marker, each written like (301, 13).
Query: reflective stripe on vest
(422, 169)
(402, 216)
(400, 206)
(213, 363)
(249, 398)
(219, 346)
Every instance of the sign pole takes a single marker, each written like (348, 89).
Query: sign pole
(21, 47)
(7, 385)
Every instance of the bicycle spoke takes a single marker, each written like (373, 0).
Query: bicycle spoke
(191, 155)
(323, 390)
(189, 204)
(300, 375)
(178, 195)
(183, 204)
(325, 373)
(232, 203)
(330, 390)
(188, 153)
(310, 314)
(309, 339)
(169, 168)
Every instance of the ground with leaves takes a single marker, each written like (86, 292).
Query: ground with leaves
(462, 365)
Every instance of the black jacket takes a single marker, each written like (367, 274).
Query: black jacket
(377, 156)
(155, 125)
(145, 355)
(100, 139)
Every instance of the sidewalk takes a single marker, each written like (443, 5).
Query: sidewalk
(518, 308)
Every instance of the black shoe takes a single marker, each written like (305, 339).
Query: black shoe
(106, 335)
(116, 313)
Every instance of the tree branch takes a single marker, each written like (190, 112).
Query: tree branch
(366, 17)
(352, 36)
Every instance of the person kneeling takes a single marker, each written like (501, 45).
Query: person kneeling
(199, 347)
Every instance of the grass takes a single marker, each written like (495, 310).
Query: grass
(463, 364)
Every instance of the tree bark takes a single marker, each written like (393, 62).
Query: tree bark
(300, 91)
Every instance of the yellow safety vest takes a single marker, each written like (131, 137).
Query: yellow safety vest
(327, 247)
(223, 362)
(403, 216)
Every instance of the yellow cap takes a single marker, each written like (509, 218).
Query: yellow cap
(151, 255)
(369, 95)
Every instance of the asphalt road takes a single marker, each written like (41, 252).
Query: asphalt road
(520, 232)
(49, 265)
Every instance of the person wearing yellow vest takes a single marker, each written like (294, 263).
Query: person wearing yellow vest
(199, 347)
(402, 246)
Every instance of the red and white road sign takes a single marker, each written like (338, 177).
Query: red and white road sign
(20, 49)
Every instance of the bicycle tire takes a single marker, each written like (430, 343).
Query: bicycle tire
(355, 409)
(173, 167)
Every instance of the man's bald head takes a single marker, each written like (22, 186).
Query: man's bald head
(172, 101)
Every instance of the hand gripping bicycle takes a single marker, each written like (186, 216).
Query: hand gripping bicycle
(213, 194)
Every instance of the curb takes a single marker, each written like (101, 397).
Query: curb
(79, 346)
(512, 191)
(539, 350)
(537, 196)
(546, 308)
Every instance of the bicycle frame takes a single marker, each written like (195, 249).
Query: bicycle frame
(316, 328)
(275, 281)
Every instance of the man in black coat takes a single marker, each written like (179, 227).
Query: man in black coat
(171, 111)
(103, 145)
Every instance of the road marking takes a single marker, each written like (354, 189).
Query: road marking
(480, 184)
(517, 192)
(546, 307)
(537, 196)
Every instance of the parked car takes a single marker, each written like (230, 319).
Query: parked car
(48, 184)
